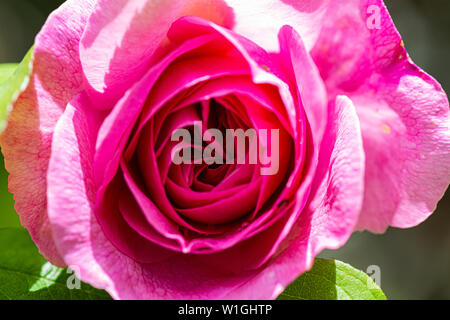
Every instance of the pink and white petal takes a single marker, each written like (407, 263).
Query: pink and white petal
(71, 192)
(260, 20)
(124, 37)
(404, 114)
(26, 142)
(331, 213)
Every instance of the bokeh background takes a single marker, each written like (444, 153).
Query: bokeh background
(414, 263)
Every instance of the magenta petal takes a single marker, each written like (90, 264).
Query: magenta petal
(186, 198)
(226, 209)
(311, 89)
(404, 115)
(132, 214)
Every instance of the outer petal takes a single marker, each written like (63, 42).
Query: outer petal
(122, 37)
(71, 191)
(260, 20)
(403, 111)
(26, 142)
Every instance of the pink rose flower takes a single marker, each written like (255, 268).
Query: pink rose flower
(364, 141)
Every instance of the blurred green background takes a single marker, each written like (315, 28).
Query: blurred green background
(414, 263)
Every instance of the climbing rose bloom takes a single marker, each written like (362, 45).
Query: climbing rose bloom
(364, 141)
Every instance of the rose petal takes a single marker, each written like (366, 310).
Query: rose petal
(26, 142)
(404, 114)
(122, 36)
(261, 20)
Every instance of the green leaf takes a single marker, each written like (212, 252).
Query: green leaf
(13, 80)
(6, 70)
(333, 280)
(26, 275)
